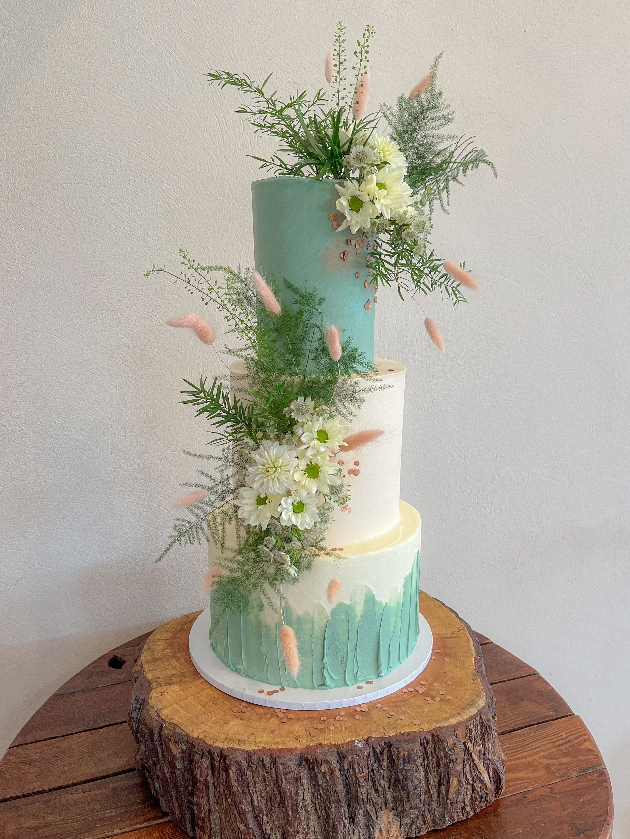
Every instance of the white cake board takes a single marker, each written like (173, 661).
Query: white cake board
(213, 670)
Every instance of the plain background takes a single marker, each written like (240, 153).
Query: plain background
(115, 152)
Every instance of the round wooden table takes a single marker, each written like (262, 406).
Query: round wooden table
(70, 772)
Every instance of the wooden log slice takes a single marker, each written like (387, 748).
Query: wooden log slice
(417, 760)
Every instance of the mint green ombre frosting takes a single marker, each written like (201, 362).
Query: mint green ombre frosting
(294, 239)
(359, 640)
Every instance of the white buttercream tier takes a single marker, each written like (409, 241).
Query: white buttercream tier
(373, 509)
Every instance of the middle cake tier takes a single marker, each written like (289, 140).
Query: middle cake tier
(372, 469)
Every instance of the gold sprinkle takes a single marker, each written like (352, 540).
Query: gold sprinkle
(333, 216)
(349, 241)
(324, 719)
(368, 306)
(427, 699)
(366, 284)
(448, 697)
(369, 682)
(331, 727)
(359, 687)
(261, 691)
(269, 693)
(336, 225)
(357, 716)
(358, 274)
(449, 682)
(344, 255)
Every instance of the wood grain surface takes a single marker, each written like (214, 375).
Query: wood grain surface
(556, 784)
(419, 759)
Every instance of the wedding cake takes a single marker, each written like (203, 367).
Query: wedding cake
(355, 612)
(314, 559)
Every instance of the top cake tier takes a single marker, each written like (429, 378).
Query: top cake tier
(295, 239)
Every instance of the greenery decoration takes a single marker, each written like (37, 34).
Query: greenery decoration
(298, 399)
(388, 185)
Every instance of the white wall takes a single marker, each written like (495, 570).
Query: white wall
(115, 151)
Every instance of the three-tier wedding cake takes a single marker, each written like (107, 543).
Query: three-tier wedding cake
(314, 559)
(355, 612)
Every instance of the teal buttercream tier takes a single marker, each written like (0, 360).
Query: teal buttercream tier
(360, 640)
(369, 628)
(294, 239)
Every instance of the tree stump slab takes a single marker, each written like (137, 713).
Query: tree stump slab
(418, 760)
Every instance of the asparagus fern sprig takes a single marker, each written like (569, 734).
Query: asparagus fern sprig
(222, 409)
(435, 159)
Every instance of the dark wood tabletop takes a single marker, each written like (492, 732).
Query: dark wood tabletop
(70, 773)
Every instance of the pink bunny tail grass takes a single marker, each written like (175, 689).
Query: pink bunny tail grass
(332, 592)
(191, 498)
(334, 344)
(328, 68)
(362, 438)
(434, 333)
(360, 96)
(461, 276)
(210, 579)
(266, 295)
(202, 330)
(288, 642)
(422, 85)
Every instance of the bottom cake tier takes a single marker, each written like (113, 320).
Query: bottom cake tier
(355, 616)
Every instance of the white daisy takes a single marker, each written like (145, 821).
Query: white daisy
(301, 409)
(355, 205)
(300, 510)
(316, 473)
(393, 192)
(323, 435)
(273, 469)
(387, 149)
(361, 156)
(256, 508)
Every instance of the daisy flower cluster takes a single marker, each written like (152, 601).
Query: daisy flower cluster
(296, 480)
(376, 198)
